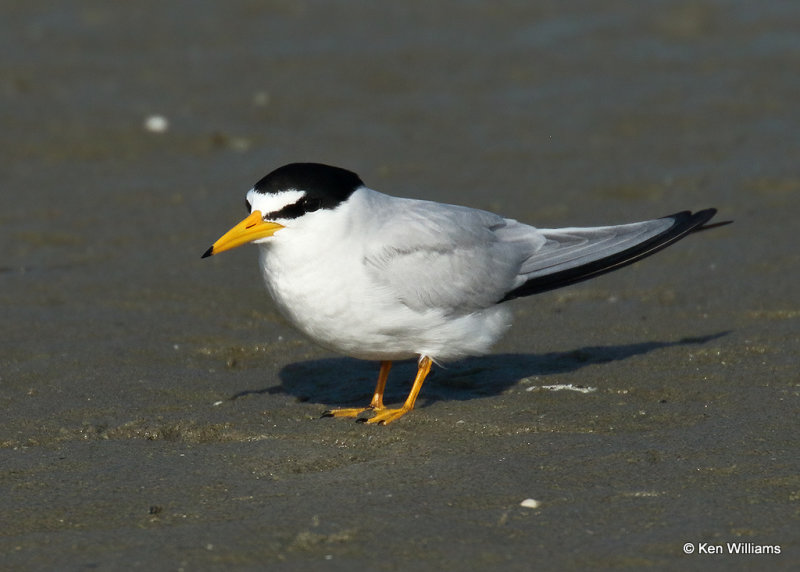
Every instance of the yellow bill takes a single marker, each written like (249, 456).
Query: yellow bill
(250, 229)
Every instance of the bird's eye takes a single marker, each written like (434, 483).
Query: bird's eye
(247, 205)
(311, 205)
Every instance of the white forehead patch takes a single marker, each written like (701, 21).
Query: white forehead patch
(272, 202)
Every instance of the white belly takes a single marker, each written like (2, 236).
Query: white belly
(326, 292)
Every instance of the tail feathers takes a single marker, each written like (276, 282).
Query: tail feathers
(581, 254)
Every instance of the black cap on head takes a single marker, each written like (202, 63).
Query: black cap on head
(325, 187)
(324, 183)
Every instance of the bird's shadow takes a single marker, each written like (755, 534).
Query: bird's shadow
(347, 381)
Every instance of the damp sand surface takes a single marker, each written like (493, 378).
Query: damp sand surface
(158, 413)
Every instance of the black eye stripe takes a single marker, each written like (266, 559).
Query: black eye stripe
(247, 205)
(295, 210)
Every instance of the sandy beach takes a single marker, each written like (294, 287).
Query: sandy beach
(159, 414)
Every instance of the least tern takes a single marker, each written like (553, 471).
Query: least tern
(378, 277)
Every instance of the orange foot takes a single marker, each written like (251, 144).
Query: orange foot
(386, 415)
(377, 399)
(347, 412)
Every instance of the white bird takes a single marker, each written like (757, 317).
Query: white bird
(378, 277)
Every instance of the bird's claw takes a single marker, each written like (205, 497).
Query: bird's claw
(346, 412)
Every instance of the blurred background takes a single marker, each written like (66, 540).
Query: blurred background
(130, 133)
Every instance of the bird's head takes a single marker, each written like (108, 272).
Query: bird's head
(286, 195)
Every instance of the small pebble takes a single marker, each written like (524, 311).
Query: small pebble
(156, 124)
(530, 503)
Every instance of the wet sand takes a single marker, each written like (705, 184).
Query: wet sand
(159, 414)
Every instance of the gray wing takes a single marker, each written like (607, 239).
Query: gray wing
(445, 257)
(460, 260)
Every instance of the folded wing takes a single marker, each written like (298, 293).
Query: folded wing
(445, 258)
(571, 255)
(457, 260)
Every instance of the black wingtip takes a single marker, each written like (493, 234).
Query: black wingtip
(683, 223)
(700, 218)
(208, 252)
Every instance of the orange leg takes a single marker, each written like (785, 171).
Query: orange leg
(384, 416)
(377, 399)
